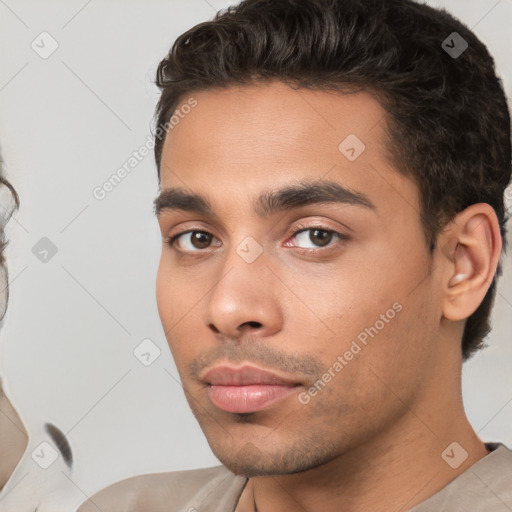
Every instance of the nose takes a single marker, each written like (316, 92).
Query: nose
(245, 301)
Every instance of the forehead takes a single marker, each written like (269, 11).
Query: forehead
(245, 140)
(266, 118)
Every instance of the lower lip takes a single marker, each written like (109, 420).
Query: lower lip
(250, 398)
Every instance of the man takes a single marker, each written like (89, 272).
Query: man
(35, 469)
(332, 212)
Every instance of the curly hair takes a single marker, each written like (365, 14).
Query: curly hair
(4, 293)
(448, 123)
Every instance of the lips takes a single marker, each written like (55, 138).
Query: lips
(246, 389)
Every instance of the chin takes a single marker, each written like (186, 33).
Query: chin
(249, 461)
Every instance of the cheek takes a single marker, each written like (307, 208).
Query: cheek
(163, 292)
(174, 290)
(172, 299)
(365, 299)
(177, 302)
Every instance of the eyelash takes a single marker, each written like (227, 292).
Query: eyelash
(342, 237)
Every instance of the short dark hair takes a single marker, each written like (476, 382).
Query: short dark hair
(448, 122)
(5, 215)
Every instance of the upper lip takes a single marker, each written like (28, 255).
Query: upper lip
(244, 376)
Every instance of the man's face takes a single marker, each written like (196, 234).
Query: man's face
(343, 314)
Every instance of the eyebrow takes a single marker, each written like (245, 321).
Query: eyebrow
(290, 197)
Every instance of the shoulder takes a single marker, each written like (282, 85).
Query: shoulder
(484, 487)
(498, 475)
(155, 492)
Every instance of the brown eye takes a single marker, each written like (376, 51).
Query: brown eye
(320, 237)
(192, 240)
(200, 240)
(316, 237)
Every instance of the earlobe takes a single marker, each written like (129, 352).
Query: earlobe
(471, 267)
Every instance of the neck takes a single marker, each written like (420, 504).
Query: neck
(394, 471)
(13, 438)
(389, 479)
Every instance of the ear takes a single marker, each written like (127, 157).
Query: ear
(471, 247)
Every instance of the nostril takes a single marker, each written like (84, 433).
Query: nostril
(214, 329)
(253, 324)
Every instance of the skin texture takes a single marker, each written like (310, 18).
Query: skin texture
(294, 312)
(372, 437)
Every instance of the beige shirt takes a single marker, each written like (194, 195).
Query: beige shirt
(40, 482)
(485, 487)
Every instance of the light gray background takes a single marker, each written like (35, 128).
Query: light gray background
(67, 123)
